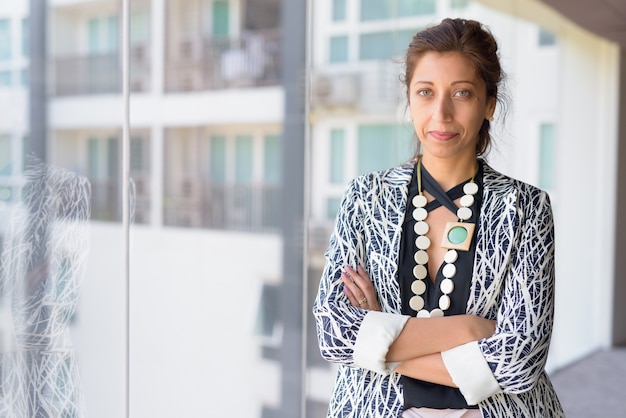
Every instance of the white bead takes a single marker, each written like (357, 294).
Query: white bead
(467, 200)
(444, 302)
(422, 242)
(420, 272)
(421, 257)
(436, 313)
(449, 270)
(419, 201)
(416, 303)
(421, 228)
(450, 257)
(464, 213)
(423, 314)
(446, 286)
(418, 287)
(420, 214)
(470, 188)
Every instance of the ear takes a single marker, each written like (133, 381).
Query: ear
(491, 108)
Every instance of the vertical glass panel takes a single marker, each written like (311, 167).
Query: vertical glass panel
(243, 159)
(5, 39)
(93, 158)
(217, 159)
(112, 33)
(112, 158)
(338, 48)
(93, 35)
(339, 10)
(546, 38)
(139, 27)
(272, 160)
(221, 18)
(6, 78)
(376, 9)
(459, 4)
(547, 155)
(337, 155)
(332, 206)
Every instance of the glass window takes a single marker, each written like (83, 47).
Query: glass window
(272, 159)
(139, 27)
(93, 35)
(24, 77)
(339, 49)
(5, 39)
(459, 4)
(6, 78)
(376, 9)
(382, 146)
(137, 154)
(337, 155)
(547, 155)
(416, 7)
(112, 33)
(546, 38)
(384, 45)
(332, 207)
(93, 157)
(25, 37)
(220, 18)
(217, 150)
(339, 10)
(243, 159)
(112, 158)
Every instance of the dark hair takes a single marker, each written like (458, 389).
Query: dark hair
(474, 42)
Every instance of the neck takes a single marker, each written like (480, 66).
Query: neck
(450, 172)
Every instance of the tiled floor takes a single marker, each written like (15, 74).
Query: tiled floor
(594, 387)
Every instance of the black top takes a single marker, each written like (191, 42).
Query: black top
(418, 393)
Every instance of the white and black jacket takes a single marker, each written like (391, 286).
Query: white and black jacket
(513, 283)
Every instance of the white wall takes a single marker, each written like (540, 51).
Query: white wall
(194, 296)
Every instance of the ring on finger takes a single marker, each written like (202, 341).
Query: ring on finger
(362, 301)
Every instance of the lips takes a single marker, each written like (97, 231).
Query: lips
(442, 136)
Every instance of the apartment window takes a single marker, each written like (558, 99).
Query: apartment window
(332, 207)
(546, 38)
(389, 9)
(5, 155)
(112, 158)
(382, 146)
(383, 45)
(5, 39)
(338, 49)
(24, 77)
(547, 155)
(25, 37)
(220, 19)
(6, 78)
(93, 157)
(138, 158)
(459, 4)
(139, 27)
(337, 155)
(272, 167)
(243, 159)
(339, 10)
(217, 159)
(102, 34)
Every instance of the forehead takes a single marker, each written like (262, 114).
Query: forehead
(445, 67)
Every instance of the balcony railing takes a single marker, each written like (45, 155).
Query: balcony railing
(106, 200)
(100, 73)
(217, 63)
(250, 208)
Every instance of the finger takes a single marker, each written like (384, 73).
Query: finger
(350, 296)
(354, 289)
(360, 277)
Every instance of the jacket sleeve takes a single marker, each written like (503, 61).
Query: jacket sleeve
(337, 321)
(513, 359)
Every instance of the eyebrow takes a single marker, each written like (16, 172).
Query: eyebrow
(453, 83)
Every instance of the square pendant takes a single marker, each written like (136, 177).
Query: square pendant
(458, 236)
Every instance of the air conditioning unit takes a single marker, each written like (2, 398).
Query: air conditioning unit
(335, 90)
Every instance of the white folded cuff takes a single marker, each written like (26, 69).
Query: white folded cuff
(470, 372)
(378, 331)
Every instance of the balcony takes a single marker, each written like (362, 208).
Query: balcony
(100, 73)
(238, 207)
(252, 60)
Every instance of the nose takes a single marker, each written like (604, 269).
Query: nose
(443, 110)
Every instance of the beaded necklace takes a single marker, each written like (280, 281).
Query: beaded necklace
(457, 236)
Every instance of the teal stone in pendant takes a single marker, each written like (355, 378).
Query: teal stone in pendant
(457, 235)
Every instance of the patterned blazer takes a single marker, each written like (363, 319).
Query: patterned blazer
(512, 283)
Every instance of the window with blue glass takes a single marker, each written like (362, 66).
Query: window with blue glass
(339, 10)
(243, 158)
(547, 155)
(338, 49)
(272, 159)
(5, 39)
(383, 146)
(217, 159)
(384, 45)
(337, 155)
(389, 9)
(220, 19)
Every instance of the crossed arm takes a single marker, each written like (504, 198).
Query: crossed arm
(420, 361)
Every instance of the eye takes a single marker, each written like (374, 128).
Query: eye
(424, 92)
(463, 93)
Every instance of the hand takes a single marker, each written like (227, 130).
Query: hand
(359, 289)
(479, 327)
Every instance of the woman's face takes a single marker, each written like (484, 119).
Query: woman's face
(448, 104)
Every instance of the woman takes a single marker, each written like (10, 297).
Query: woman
(437, 295)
